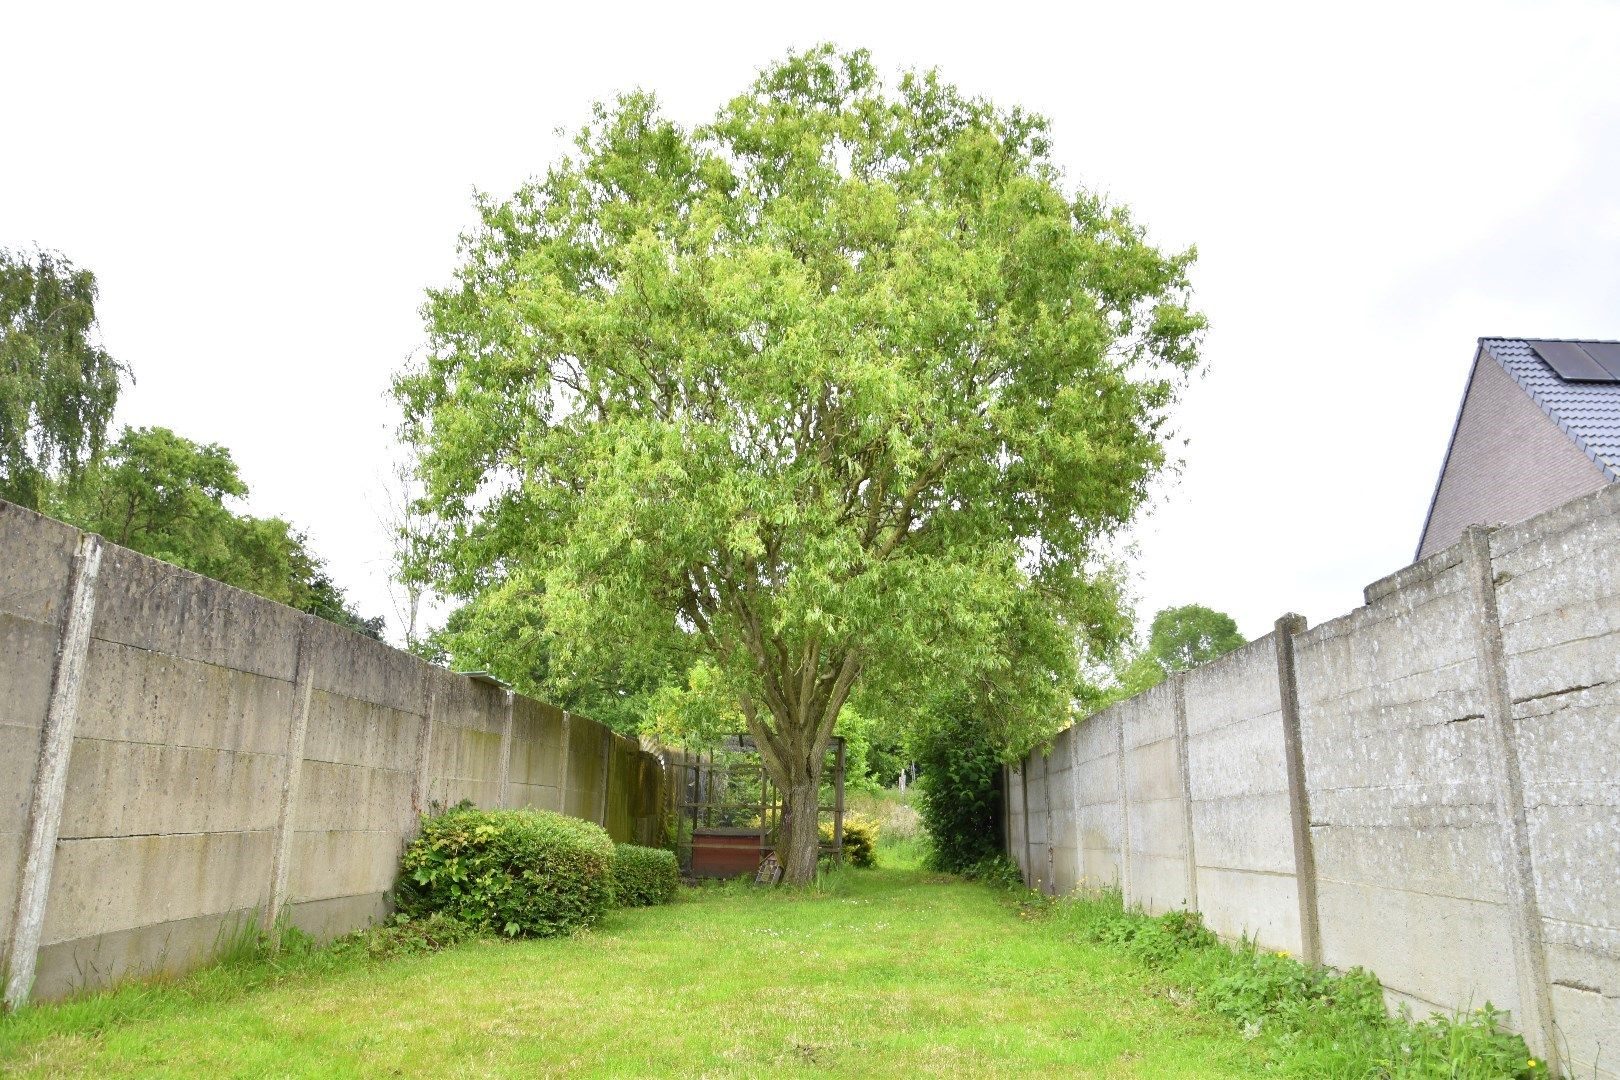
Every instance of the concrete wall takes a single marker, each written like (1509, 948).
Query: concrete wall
(1428, 787)
(226, 759)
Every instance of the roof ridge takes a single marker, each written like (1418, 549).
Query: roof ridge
(1564, 340)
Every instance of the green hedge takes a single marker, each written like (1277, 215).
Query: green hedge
(522, 873)
(959, 792)
(644, 875)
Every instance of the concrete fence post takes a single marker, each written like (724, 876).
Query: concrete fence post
(607, 774)
(1299, 804)
(504, 783)
(1518, 867)
(1051, 839)
(1023, 793)
(1124, 810)
(50, 772)
(292, 769)
(1075, 804)
(1006, 812)
(1184, 770)
(421, 784)
(562, 767)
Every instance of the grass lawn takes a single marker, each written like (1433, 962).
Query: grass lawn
(875, 973)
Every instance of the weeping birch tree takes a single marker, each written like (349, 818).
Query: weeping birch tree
(842, 391)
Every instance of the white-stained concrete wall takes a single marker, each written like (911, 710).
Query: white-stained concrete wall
(233, 760)
(1427, 787)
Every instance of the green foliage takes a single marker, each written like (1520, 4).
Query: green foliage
(1320, 1022)
(1155, 941)
(873, 756)
(643, 876)
(841, 388)
(58, 386)
(520, 873)
(996, 871)
(405, 935)
(168, 497)
(1180, 638)
(860, 839)
(501, 631)
(959, 790)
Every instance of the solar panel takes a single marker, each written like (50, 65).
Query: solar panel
(1606, 353)
(1572, 363)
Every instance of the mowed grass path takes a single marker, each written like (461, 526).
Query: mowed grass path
(877, 973)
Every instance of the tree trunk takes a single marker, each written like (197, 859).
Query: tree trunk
(798, 848)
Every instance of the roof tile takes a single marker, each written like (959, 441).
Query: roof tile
(1588, 412)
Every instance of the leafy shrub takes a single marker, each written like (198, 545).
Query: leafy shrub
(996, 871)
(1156, 942)
(959, 792)
(404, 935)
(860, 839)
(643, 876)
(522, 873)
(1321, 1022)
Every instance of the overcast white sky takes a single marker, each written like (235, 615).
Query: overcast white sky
(265, 191)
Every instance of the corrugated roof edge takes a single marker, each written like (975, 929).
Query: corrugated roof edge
(1552, 414)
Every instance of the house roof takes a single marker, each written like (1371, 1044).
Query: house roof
(1588, 412)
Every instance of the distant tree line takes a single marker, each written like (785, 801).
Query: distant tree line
(148, 489)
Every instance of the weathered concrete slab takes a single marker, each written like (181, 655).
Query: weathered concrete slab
(167, 788)
(135, 695)
(334, 797)
(34, 572)
(29, 649)
(162, 948)
(107, 884)
(342, 862)
(346, 731)
(157, 607)
(536, 796)
(1158, 884)
(1262, 906)
(326, 919)
(1243, 833)
(356, 667)
(1446, 951)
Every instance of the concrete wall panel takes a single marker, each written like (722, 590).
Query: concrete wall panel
(1235, 903)
(1243, 833)
(25, 688)
(344, 731)
(168, 789)
(106, 884)
(134, 695)
(180, 752)
(1240, 686)
(1441, 950)
(362, 669)
(160, 948)
(1408, 809)
(328, 863)
(157, 607)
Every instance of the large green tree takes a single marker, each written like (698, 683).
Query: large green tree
(168, 497)
(840, 392)
(58, 386)
(1179, 638)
